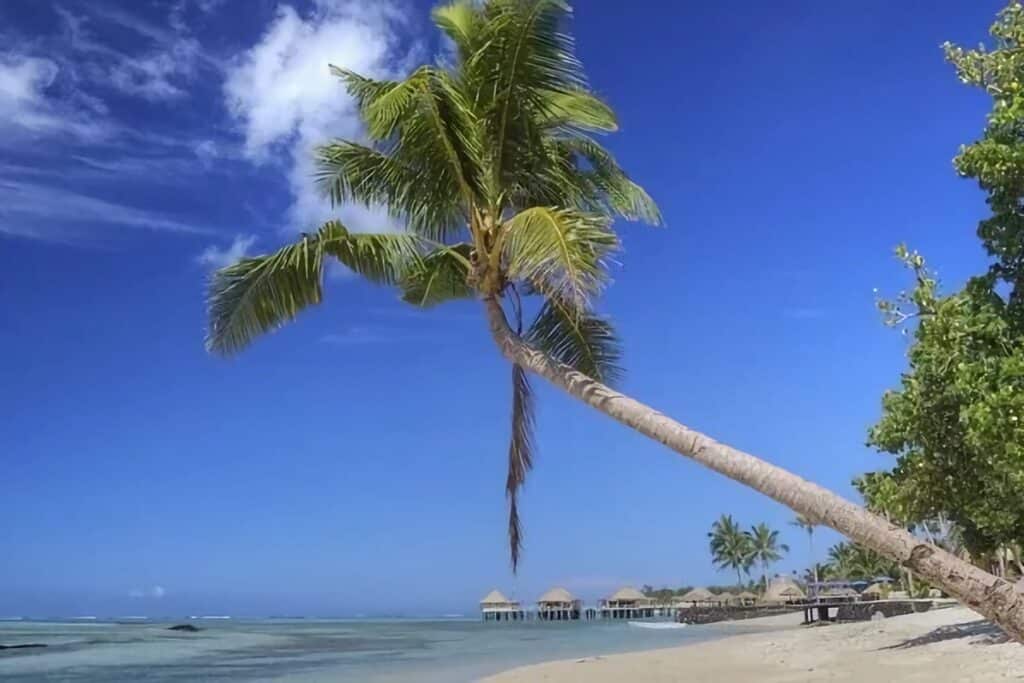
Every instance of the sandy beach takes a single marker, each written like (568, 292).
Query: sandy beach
(940, 646)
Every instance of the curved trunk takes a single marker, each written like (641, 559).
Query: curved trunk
(988, 595)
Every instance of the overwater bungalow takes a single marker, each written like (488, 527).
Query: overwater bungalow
(496, 607)
(698, 597)
(627, 603)
(558, 604)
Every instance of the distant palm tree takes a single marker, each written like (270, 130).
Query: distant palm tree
(490, 161)
(851, 561)
(765, 548)
(807, 525)
(731, 548)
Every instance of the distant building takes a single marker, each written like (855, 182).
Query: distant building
(627, 603)
(558, 604)
(496, 607)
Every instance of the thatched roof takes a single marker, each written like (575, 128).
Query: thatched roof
(728, 598)
(782, 589)
(628, 594)
(747, 595)
(557, 595)
(874, 589)
(699, 595)
(495, 597)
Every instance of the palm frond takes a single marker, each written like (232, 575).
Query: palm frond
(257, 295)
(607, 185)
(561, 252)
(578, 109)
(461, 21)
(440, 276)
(520, 456)
(428, 202)
(383, 258)
(580, 339)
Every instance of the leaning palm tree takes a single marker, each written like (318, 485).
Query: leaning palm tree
(808, 525)
(731, 547)
(765, 548)
(492, 165)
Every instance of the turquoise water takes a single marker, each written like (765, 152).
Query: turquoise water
(448, 651)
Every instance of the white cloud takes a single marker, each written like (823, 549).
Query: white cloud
(42, 212)
(161, 70)
(286, 101)
(26, 106)
(219, 257)
(155, 592)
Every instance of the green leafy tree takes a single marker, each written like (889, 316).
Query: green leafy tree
(852, 562)
(492, 165)
(731, 547)
(765, 548)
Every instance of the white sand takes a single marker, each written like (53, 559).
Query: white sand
(940, 646)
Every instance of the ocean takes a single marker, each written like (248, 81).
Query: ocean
(313, 650)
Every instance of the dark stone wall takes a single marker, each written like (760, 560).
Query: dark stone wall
(863, 611)
(709, 615)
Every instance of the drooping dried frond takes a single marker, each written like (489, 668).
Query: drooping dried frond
(561, 252)
(580, 339)
(520, 456)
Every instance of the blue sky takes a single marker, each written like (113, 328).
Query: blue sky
(356, 459)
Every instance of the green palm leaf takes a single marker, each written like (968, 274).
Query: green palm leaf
(440, 276)
(580, 110)
(561, 252)
(581, 340)
(257, 295)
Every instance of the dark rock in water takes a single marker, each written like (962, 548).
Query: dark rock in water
(188, 628)
(25, 646)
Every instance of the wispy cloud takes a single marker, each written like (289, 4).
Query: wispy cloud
(218, 257)
(36, 211)
(30, 105)
(286, 102)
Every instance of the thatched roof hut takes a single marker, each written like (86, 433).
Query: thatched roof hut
(497, 599)
(556, 596)
(747, 596)
(782, 590)
(628, 594)
(699, 596)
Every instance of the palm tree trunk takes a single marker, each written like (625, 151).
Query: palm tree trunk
(814, 563)
(990, 596)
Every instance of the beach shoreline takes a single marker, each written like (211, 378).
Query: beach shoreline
(939, 646)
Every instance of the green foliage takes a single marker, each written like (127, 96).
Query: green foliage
(491, 165)
(956, 424)
(997, 160)
(849, 561)
(731, 547)
(765, 547)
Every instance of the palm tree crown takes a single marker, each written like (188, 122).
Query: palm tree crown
(492, 166)
(765, 547)
(731, 547)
